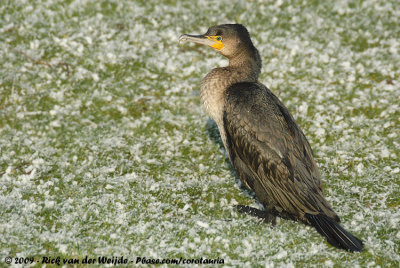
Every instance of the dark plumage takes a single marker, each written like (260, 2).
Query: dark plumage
(268, 150)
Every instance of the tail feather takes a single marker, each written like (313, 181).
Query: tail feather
(334, 233)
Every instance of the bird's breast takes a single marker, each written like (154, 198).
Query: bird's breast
(213, 93)
(213, 98)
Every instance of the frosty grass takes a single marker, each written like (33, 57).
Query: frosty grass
(106, 150)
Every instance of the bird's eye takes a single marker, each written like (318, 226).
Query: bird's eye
(219, 38)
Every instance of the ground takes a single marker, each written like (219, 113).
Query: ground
(106, 150)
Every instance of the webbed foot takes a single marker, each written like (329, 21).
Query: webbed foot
(261, 214)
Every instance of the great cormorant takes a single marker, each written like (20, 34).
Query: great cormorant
(268, 150)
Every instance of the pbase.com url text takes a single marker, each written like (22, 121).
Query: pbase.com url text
(144, 260)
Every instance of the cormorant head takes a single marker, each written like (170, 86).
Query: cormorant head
(227, 39)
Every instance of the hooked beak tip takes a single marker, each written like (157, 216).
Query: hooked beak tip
(182, 38)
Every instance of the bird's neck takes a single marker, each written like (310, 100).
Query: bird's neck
(245, 66)
(242, 68)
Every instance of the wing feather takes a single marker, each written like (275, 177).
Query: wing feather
(270, 152)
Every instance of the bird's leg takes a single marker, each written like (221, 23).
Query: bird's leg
(261, 214)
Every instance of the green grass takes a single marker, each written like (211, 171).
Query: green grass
(114, 155)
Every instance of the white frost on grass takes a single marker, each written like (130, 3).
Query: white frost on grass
(114, 157)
